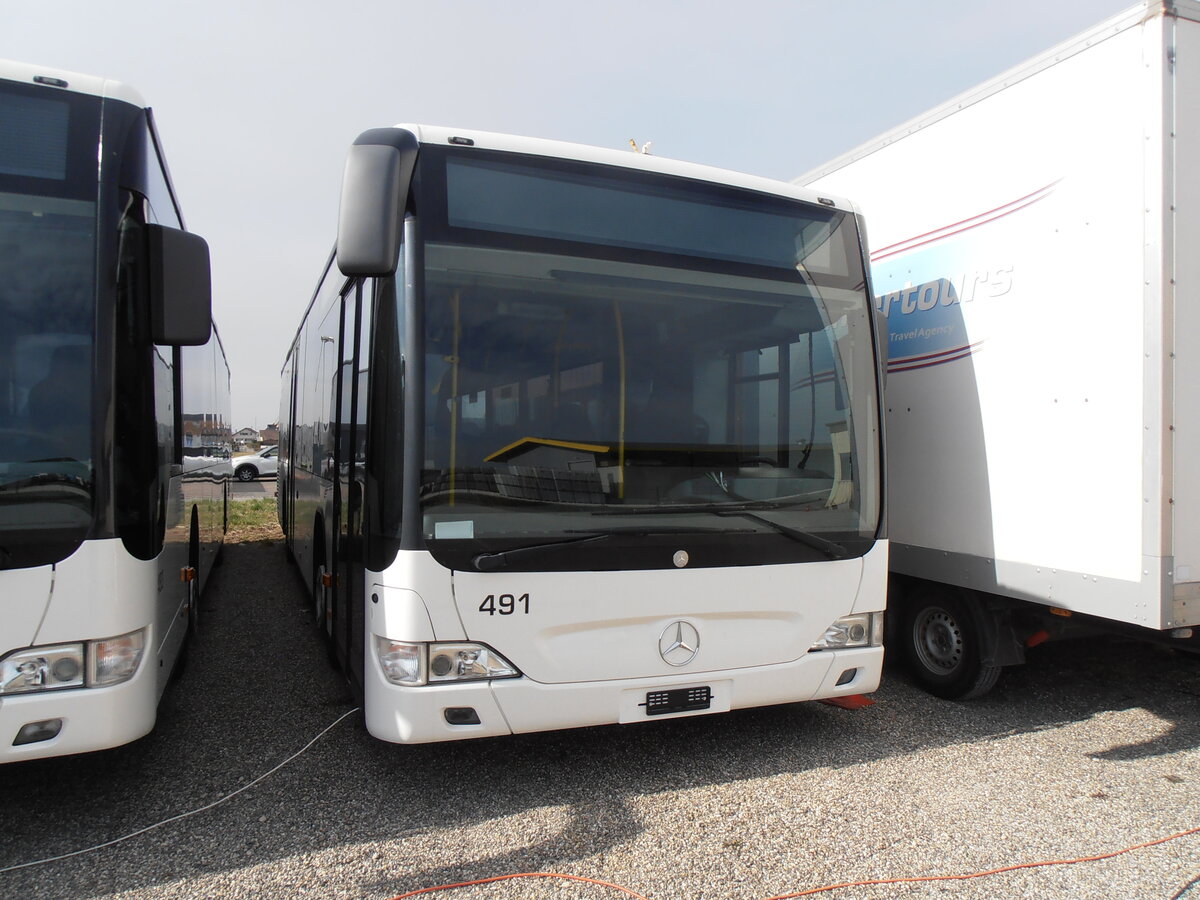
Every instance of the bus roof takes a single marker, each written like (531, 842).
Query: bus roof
(435, 134)
(106, 88)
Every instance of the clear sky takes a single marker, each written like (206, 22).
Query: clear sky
(257, 100)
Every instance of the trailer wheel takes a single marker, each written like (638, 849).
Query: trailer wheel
(943, 640)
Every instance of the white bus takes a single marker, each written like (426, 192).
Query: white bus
(114, 412)
(572, 436)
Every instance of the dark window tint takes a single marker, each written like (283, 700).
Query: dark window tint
(33, 139)
(47, 321)
(159, 195)
(625, 208)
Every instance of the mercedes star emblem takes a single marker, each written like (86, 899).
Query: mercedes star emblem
(679, 643)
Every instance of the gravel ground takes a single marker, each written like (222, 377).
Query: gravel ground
(1088, 749)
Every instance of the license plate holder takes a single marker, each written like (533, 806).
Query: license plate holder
(676, 700)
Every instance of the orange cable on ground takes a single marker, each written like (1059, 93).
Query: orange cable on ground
(1013, 868)
(829, 887)
(447, 887)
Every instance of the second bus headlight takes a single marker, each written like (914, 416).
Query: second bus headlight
(42, 669)
(115, 660)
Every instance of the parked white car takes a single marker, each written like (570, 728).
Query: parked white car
(265, 462)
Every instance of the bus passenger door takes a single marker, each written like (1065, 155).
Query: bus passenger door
(350, 454)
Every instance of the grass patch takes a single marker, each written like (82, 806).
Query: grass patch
(253, 520)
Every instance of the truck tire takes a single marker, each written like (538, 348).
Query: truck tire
(943, 638)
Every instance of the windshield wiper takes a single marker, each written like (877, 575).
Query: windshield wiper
(489, 562)
(700, 506)
(830, 548)
(747, 510)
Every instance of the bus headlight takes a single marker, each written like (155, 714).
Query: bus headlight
(467, 662)
(862, 630)
(411, 665)
(401, 663)
(42, 669)
(114, 660)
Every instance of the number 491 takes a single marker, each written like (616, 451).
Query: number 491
(504, 604)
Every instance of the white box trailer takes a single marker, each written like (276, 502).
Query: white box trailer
(1035, 247)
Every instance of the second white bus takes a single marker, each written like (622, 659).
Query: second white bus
(112, 383)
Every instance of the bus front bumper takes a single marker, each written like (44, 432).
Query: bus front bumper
(81, 719)
(446, 712)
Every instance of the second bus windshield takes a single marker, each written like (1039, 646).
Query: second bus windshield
(576, 388)
(48, 298)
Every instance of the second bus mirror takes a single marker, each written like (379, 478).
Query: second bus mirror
(181, 287)
(374, 194)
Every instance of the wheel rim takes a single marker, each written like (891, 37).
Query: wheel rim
(245, 475)
(938, 640)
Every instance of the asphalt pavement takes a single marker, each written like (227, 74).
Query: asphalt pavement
(1089, 749)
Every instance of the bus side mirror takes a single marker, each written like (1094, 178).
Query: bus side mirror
(180, 287)
(375, 186)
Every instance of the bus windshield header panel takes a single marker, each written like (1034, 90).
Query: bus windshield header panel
(620, 366)
(630, 210)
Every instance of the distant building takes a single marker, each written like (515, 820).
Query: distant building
(205, 434)
(270, 434)
(244, 437)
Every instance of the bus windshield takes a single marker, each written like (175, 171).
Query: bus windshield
(47, 322)
(636, 357)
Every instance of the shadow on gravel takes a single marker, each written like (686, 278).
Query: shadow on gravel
(257, 688)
